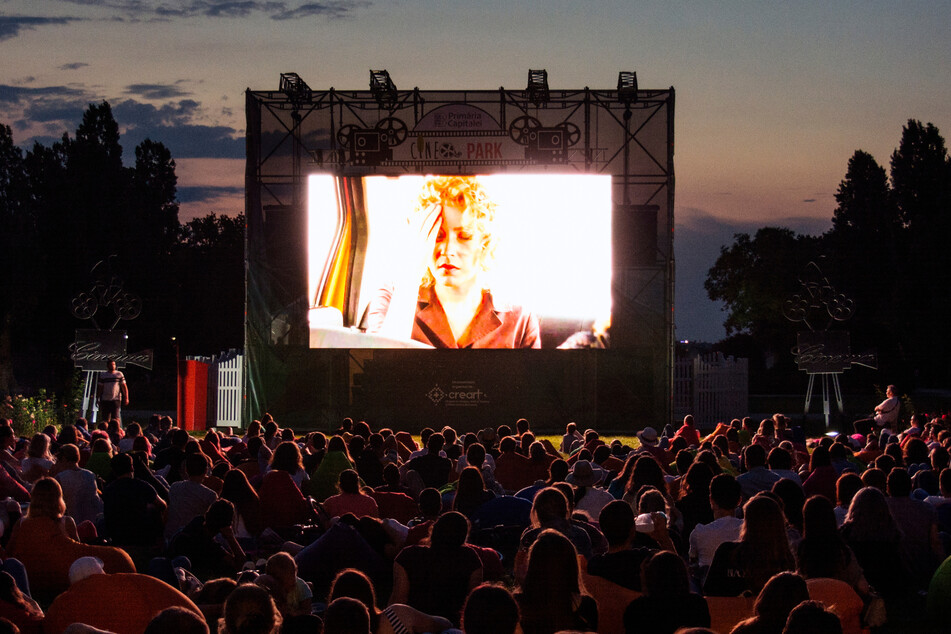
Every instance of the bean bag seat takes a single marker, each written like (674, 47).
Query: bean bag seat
(123, 603)
(397, 506)
(726, 612)
(612, 600)
(842, 599)
(282, 503)
(47, 553)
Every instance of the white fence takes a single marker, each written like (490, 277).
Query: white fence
(225, 389)
(712, 387)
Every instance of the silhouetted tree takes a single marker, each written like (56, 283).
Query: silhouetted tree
(754, 277)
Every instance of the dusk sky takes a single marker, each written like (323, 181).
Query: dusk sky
(771, 99)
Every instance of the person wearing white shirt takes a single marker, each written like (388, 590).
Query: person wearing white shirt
(725, 527)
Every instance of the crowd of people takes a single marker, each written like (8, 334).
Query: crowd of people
(751, 529)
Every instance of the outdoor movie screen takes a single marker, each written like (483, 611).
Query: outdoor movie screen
(489, 261)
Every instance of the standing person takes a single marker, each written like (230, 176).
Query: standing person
(886, 414)
(112, 392)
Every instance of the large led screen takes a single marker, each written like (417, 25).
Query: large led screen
(493, 261)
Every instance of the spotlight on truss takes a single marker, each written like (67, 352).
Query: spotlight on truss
(537, 88)
(382, 88)
(295, 88)
(627, 87)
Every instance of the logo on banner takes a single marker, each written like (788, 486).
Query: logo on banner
(459, 394)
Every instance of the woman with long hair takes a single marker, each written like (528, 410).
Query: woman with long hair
(436, 579)
(552, 596)
(38, 461)
(874, 536)
(763, 551)
(287, 457)
(18, 608)
(694, 502)
(667, 603)
(47, 508)
(470, 492)
(822, 552)
(776, 600)
(396, 618)
(247, 505)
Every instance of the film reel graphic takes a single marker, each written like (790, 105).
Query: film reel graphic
(393, 130)
(523, 129)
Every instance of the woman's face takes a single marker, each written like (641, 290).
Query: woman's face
(457, 256)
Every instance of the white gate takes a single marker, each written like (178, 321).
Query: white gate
(712, 387)
(225, 389)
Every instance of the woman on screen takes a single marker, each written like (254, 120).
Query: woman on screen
(453, 308)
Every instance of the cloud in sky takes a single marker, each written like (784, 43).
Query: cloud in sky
(73, 66)
(206, 193)
(276, 9)
(12, 25)
(157, 91)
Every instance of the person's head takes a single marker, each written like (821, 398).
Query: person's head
(464, 215)
(236, 488)
(430, 502)
(779, 458)
(470, 483)
(557, 471)
(179, 620)
(812, 617)
(111, 365)
(552, 574)
(846, 487)
(490, 609)
(783, 592)
(46, 499)
(697, 480)
(818, 519)
(869, 518)
(250, 610)
(754, 456)
(180, 437)
(616, 522)
(354, 583)
(792, 498)
(665, 575)
(122, 465)
(69, 454)
(348, 481)
(346, 616)
(549, 505)
(891, 391)
(39, 446)
(435, 443)
(450, 531)
(219, 515)
(475, 455)
(286, 457)
(875, 477)
(688, 420)
(196, 465)
(764, 543)
(725, 492)
(282, 567)
(899, 483)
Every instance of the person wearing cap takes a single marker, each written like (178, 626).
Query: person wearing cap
(650, 444)
(585, 478)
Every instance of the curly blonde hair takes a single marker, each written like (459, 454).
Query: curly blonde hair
(467, 193)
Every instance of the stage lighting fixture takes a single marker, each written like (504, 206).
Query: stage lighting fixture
(295, 88)
(538, 87)
(627, 87)
(382, 88)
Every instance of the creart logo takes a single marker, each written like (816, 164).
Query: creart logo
(436, 395)
(459, 394)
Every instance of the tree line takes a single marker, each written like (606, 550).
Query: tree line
(70, 205)
(887, 250)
